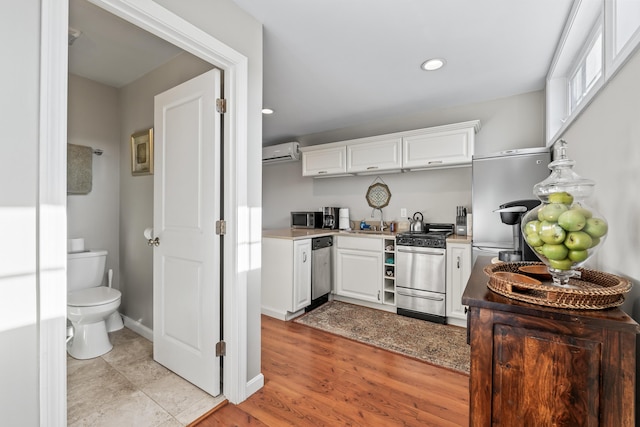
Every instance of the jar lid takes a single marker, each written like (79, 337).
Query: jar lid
(563, 178)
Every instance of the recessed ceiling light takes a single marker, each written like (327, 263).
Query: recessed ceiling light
(267, 111)
(433, 64)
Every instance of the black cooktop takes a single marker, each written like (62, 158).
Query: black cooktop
(433, 236)
(431, 230)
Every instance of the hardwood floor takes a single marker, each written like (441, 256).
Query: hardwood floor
(313, 378)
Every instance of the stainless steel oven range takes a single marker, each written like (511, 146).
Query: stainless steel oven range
(421, 272)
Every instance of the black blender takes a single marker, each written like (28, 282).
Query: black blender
(511, 213)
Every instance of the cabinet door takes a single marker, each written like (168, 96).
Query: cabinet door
(358, 274)
(301, 274)
(547, 378)
(323, 162)
(458, 272)
(372, 157)
(438, 149)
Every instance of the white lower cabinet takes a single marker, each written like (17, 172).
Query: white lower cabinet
(286, 277)
(301, 274)
(458, 272)
(359, 267)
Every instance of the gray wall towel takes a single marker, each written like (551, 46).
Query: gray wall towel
(79, 169)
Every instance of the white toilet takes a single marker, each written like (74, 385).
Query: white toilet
(91, 308)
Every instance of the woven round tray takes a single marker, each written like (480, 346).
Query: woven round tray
(593, 290)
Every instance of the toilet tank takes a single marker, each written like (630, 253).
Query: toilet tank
(85, 269)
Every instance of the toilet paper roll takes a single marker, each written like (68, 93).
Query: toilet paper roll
(148, 233)
(75, 245)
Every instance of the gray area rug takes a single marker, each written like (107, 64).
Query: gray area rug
(441, 345)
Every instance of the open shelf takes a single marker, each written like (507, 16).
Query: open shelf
(389, 272)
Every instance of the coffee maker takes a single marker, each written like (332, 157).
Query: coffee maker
(330, 217)
(511, 213)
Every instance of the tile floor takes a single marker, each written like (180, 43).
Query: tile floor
(125, 387)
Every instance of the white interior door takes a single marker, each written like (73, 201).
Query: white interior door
(186, 263)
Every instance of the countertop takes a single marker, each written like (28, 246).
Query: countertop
(306, 233)
(477, 294)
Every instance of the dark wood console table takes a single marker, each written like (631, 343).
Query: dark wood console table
(539, 366)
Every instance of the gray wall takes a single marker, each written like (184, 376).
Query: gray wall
(136, 192)
(513, 122)
(93, 120)
(605, 143)
(19, 118)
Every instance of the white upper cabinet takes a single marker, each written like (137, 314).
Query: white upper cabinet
(324, 162)
(375, 156)
(436, 147)
(441, 146)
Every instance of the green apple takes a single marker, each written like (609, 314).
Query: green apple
(595, 241)
(578, 240)
(561, 264)
(561, 197)
(578, 255)
(533, 239)
(572, 220)
(552, 233)
(538, 249)
(552, 211)
(584, 211)
(557, 252)
(596, 227)
(532, 227)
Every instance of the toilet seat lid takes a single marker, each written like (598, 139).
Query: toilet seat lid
(92, 296)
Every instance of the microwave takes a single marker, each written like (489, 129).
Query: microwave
(306, 219)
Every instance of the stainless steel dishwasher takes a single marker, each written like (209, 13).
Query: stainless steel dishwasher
(320, 270)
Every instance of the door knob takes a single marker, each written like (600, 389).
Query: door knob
(153, 242)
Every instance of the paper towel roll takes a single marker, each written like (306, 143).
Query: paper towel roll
(75, 245)
(343, 219)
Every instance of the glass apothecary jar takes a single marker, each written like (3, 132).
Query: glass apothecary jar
(564, 231)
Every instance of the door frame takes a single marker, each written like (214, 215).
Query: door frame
(52, 170)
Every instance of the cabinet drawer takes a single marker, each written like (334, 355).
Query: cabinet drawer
(359, 243)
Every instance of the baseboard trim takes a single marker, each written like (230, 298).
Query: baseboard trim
(138, 328)
(254, 384)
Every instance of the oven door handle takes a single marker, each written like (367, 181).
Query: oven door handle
(416, 250)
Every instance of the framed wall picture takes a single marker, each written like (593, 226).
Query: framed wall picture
(142, 152)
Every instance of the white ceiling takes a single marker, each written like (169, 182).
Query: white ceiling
(110, 50)
(330, 64)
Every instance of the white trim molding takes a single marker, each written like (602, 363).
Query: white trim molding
(138, 328)
(51, 213)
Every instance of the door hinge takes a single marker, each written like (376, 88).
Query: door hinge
(221, 348)
(221, 227)
(221, 105)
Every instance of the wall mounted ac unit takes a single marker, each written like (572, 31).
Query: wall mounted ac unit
(287, 152)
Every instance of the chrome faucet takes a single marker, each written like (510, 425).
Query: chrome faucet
(381, 218)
